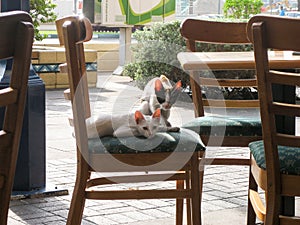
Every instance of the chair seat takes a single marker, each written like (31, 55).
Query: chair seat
(183, 141)
(235, 126)
(289, 157)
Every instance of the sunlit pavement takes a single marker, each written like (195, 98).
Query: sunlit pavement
(225, 187)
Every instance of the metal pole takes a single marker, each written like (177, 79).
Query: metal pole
(270, 4)
(191, 8)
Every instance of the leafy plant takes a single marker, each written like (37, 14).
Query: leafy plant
(242, 9)
(41, 11)
(156, 53)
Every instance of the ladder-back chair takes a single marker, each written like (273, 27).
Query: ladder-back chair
(15, 44)
(235, 128)
(275, 161)
(221, 121)
(112, 154)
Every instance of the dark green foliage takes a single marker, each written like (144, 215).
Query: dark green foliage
(41, 12)
(156, 53)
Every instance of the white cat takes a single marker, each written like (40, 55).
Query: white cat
(132, 124)
(159, 93)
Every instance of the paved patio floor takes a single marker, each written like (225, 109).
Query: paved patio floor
(225, 187)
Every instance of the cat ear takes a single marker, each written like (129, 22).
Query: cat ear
(178, 85)
(158, 85)
(139, 117)
(156, 114)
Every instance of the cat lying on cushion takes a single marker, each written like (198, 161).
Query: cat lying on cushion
(159, 93)
(132, 124)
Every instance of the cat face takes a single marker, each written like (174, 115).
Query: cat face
(167, 96)
(147, 126)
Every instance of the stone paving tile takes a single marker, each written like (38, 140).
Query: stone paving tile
(88, 222)
(142, 204)
(156, 213)
(12, 221)
(120, 218)
(123, 209)
(57, 222)
(63, 213)
(241, 200)
(168, 209)
(100, 220)
(206, 196)
(224, 204)
(139, 215)
(209, 206)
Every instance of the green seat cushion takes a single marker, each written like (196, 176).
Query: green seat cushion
(182, 141)
(226, 126)
(289, 157)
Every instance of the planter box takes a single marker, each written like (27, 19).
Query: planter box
(46, 61)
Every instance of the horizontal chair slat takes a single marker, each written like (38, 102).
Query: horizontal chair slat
(231, 103)
(8, 96)
(288, 140)
(138, 162)
(136, 179)
(280, 108)
(228, 82)
(225, 161)
(140, 194)
(285, 78)
(229, 141)
(5, 139)
(287, 220)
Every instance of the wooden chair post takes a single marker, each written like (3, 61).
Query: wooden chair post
(275, 161)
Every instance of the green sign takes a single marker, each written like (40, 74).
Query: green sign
(137, 12)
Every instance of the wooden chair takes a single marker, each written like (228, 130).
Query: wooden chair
(111, 154)
(15, 43)
(275, 161)
(221, 122)
(235, 129)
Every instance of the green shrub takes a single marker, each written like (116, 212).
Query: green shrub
(156, 53)
(242, 9)
(41, 11)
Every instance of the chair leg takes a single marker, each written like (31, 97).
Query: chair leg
(78, 197)
(196, 192)
(251, 216)
(188, 200)
(6, 187)
(273, 200)
(4, 193)
(179, 203)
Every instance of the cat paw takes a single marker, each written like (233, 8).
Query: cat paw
(173, 129)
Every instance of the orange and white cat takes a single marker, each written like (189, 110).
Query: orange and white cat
(132, 124)
(159, 93)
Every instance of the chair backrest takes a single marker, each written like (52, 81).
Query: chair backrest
(76, 30)
(216, 32)
(282, 33)
(15, 43)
